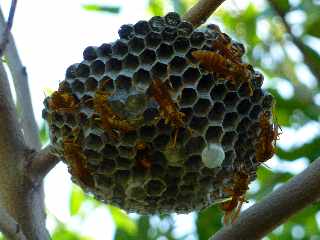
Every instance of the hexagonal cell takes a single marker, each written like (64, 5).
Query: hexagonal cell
(181, 45)
(153, 40)
(228, 139)
(175, 82)
(147, 58)
(195, 145)
(255, 111)
(90, 53)
(163, 127)
(113, 66)
(191, 75)
(130, 62)
(155, 187)
(217, 112)
(245, 90)
(177, 65)
(105, 50)
(123, 83)
(243, 124)
(126, 31)
(136, 103)
(122, 177)
(197, 39)
(231, 99)
(157, 23)
(142, 79)
(147, 132)
(244, 106)
(142, 28)
(77, 86)
(57, 118)
(119, 49)
(94, 158)
(150, 114)
(110, 151)
(256, 96)
(138, 193)
(126, 152)
(185, 29)
(64, 86)
(172, 19)
(230, 120)
(125, 163)
(229, 159)
(202, 106)
(205, 83)
(159, 71)
(188, 97)
(129, 138)
(91, 84)
(136, 45)
(193, 163)
(161, 141)
(169, 34)
(164, 53)
(106, 84)
(78, 70)
(214, 134)
(267, 102)
(93, 142)
(218, 92)
(97, 67)
(102, 180)
(188, 112)
(199, 123)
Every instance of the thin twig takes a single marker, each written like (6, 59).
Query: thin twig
(263, 217)
(313, 66)
(40, 164)
(5, 35)
(20, 79)
(9, 227)
(201, 11)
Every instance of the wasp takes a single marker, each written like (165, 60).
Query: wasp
(62, 102)
(267, 138)
(77, 160)
(168, 108)
(143, 157)
(237, 193)
(215, 62)
(109, 119)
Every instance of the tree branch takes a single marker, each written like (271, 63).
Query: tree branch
(7, 30)
(40, 164)
(9, 227)
(20, 79)
(304, 49)
(298, 193)
(201, 11)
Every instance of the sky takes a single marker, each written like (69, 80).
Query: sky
(50, 36)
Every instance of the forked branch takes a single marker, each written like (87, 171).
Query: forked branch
(263, 217)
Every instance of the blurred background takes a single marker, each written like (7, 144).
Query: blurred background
(282, 40)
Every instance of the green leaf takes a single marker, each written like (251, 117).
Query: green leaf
(102, 8)
(62, 232)
(156, 7)
(122, 220)
(208, 222)
(44, 133)
(312, 27)
(180, 6)
(76, 199)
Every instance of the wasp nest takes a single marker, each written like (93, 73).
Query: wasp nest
(161, 119)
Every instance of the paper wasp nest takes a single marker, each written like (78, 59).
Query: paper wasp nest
(139, 121)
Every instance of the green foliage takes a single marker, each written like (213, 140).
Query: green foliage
(76, 199)
(123, 221)
(156, 7)
(61, 232)
(102, 8)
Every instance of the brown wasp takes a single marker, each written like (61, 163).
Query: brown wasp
(109, 119)
(237, 193)
(168, 108)
(215, 62)
(267, 138)
(77, 160)
(62, 102)
(143, 157)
